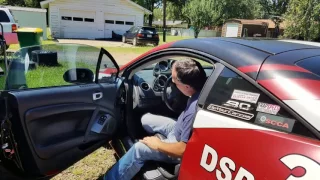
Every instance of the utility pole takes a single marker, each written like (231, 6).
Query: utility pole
(164, 19)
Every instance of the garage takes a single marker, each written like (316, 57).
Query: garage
(232, 30)
(117, 23)
(92, 19)
(77, 24)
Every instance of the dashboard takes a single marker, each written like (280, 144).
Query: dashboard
(149, 83)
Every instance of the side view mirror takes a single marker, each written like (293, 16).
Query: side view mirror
(78, 76)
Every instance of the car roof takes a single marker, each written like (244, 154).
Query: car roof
(248, 55)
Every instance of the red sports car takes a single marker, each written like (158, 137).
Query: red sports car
(257, 115)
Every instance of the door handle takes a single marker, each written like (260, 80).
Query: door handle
(97, 96)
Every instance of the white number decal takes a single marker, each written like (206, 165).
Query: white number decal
(235, 104)
(311, 167)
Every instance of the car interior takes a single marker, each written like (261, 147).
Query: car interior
(149, 82)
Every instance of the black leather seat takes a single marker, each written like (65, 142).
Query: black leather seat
(153, 170)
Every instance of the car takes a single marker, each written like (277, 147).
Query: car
(9, 27)
(141, 35)
(257, 115)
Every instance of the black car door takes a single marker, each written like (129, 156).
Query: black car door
(60, 116)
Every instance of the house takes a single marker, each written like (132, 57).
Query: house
(250, 28)
(170, 24)
(94, 19)
(30, 17)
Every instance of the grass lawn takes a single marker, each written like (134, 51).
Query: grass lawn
(136, 50)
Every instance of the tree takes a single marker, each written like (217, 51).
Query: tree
(203, 13)
(150, 5)
(274, 10)
(303, 20)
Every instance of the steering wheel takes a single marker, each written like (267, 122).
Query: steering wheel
(175, 100)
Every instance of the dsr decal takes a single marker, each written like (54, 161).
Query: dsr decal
(226, 165)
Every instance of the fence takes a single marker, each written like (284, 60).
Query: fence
(190, 33)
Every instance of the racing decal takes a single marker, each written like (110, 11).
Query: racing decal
(245, 96)
(238, 105)
(268, 108)
(275, 122)
(231, 112)
(226, 164)
(310, 169)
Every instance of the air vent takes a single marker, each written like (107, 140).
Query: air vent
(144, 86)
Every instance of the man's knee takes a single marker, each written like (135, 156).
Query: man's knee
(146, 119)
(141, 150)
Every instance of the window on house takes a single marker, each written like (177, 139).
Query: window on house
(109, 21)
(77, 19)
(66, 18)
(88, 19)
(120, 22)
(129, 23)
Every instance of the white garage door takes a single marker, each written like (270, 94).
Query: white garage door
(78, 24)
(117, 23)
(232, 30)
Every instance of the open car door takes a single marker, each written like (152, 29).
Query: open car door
(60, 107)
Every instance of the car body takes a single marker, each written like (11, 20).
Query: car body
(9, 26)
(141, 35)
(257, 115)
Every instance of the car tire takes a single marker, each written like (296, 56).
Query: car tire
(124, 39)
(134, 42)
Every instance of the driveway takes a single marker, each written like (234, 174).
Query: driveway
(98, 43)
(121, 57)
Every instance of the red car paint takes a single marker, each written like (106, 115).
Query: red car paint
(258, 153)
(11, 38)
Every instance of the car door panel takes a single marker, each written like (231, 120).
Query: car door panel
(57, 122)
(237, 148)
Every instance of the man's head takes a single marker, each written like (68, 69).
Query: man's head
(189, 76)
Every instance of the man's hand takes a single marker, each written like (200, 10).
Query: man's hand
(152, 142)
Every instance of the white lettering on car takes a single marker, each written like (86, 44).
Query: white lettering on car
(211, 166)
(293, 161)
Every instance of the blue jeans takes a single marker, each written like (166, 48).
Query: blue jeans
(131, 163)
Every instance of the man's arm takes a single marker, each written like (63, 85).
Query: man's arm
(172, 149)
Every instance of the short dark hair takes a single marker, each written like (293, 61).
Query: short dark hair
(190, 72)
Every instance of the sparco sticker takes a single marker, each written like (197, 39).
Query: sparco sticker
(275, 122)
(268, 108)
(245, 96)
(230, 112)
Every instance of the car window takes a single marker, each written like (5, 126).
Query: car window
(233, 96)
(147, 30)
(311, 64)
(47, 66)
(4, 17)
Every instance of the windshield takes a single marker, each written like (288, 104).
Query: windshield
(46, 65)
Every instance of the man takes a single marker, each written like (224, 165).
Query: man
(189, 77)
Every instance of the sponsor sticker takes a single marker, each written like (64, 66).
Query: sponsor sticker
(245, 96)
(230, 112)
(275, 122)
(268, 108)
